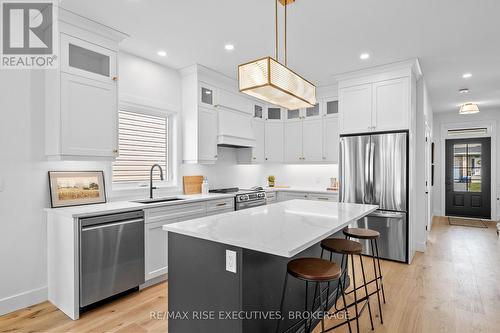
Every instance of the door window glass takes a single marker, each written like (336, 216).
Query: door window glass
(467, 167)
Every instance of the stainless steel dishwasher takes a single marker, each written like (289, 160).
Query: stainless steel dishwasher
(111, 255)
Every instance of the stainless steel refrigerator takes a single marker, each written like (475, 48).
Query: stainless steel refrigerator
(374, 170)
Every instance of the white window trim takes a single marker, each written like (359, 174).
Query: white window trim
(171, 158)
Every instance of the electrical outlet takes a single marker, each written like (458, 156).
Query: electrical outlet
(231, 261)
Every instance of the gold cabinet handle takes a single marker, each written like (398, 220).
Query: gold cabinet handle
(115, 78)
(115, 151)
(221, 204)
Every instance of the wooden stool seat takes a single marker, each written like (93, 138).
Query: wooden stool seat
(314, 269)
(361, 233)
(343, 246)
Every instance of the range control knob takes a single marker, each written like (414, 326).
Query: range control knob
(262, 195)
(243, 197)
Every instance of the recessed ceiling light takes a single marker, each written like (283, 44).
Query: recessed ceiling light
(463, 91)
(467, 75)
(364, 56)
(229, 47)
(162, 53)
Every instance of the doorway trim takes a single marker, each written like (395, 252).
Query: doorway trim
(491, 133)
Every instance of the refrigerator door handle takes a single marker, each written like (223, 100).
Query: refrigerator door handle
(367, 195)
(370, 171)
(396, 215)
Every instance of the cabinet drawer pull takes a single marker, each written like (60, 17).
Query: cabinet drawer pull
(221, 204)
(320, 198)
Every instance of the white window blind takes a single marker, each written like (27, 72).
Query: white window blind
(142, 142)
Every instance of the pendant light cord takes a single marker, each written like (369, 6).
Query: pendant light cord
(276, 25)
(286, 3)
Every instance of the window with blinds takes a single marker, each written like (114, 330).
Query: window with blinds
(142, 142)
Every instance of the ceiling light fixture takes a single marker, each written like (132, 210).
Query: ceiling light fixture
(463, 91)
(229, 47)
(468, 108)
(162, 53)
(364, 56)
(269, 80)
(467, 75)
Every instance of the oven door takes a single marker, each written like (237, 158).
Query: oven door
(250, 204)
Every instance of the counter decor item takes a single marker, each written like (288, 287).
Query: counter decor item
(271, 180)
(204, 186)
(334, 184)
(75, 188)
(192, 184)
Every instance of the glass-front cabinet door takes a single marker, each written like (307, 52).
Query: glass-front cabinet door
(258, 111)
(88, 60)
(206, 95)
(312, 112)
(274, 113)
(331, 108)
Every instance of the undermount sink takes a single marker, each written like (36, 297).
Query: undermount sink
(150, 201)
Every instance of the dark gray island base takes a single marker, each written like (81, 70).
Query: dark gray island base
(204, 297)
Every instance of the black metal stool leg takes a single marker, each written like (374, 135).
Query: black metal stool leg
(343, 272)
(355, 293)
(380, 271)
(376, 283)
(305, 308)
(321, 307)
(282, 303)
(366, 290)
(341, 285)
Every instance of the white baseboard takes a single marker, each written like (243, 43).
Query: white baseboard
(22, 300)
(420, 246)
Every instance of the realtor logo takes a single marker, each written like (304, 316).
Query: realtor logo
(28, 34)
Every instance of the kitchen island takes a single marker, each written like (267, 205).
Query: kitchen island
(226, 272)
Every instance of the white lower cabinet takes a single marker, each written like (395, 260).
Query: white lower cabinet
(284, 196)
(156, 240)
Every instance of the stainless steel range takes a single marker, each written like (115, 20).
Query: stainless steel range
(245, 198)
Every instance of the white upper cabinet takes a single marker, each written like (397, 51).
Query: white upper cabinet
(81, 96)
(312, 140)
(207, 135)
(88, 118)
(293, 141)
(381, 100)
(274, 142)
(87, 59)
(356, 108)
(391, 103)
(234, 101)
(331, 140)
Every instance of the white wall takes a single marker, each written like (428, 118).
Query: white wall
(449, 119)
(226, 173)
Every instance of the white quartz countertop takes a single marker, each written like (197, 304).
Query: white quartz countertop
(283, 229)
(124, 206)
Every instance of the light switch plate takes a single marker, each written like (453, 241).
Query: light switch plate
(231, 261)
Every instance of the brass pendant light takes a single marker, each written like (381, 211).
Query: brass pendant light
(269, 80)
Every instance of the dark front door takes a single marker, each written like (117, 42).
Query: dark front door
(468, 171)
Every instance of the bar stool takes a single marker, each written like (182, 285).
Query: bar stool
(312, 270)
(372, 236)
(350, 248)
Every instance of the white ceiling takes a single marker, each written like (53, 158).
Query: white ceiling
(326, 37)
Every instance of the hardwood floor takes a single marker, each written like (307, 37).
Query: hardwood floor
(453, 287)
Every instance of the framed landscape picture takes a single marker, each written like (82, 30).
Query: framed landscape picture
(74, 188)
